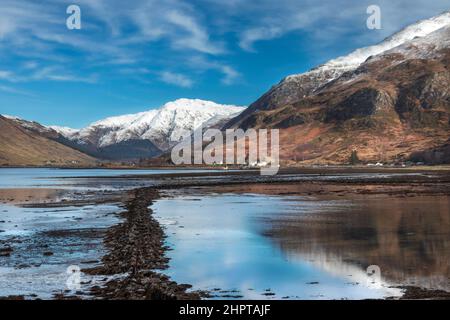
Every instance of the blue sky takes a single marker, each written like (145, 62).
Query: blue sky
(132, 56)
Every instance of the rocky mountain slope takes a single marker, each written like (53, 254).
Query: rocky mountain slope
(126, 150)
(159, 127)
(29, 144)
(128, 137)
(389, 102)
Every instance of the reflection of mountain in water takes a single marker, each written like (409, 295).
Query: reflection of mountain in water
(409, 238)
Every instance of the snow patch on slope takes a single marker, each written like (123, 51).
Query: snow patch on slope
(64, 131)
(10, 117)
(336, 67)
(424, 48)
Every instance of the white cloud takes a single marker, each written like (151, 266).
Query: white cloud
(55, 74)
(325, 21)
(230, 75)
(52, 73)
(174, 21)
(176, 79)
(197, 38)
(114, 32)
(6, 27)
(30, 65)
(144, 33)
(5, 74)
(250, 36)
(15, 91)
(8, 76)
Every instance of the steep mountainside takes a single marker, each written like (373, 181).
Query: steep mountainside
(135, 136)
(296, 87)
(34, 146)
(392, 106)
(126, 150)
(159, 127)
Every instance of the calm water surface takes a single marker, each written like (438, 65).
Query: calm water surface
(253, 246)
(48, 177)
(47, 240)
(259, 246)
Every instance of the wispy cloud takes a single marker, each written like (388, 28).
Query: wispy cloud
(9, 76)
(176, 79)
(205, 35)
(49, 73)
(174, 21)
(327, 21)
(250, 36)
(197, 38)
(229, 74)
(114, 32)
(55, 74)
(5, 75)
(16, 91)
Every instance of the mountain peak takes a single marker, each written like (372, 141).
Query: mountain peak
(194, 104)
(298, 86)
(159, 125)
(390, 102)
(337, 66)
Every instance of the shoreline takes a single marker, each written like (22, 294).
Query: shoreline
(125, 242)
(291, 168)
(136, 250)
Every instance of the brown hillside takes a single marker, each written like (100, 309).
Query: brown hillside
(22, 147)
(394, 107)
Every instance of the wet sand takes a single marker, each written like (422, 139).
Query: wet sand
(37, 246)
(398, 187)
(135, 247)
(403, 228)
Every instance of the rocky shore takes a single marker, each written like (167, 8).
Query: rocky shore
(135, 249)
(136, 246)
(135, 260)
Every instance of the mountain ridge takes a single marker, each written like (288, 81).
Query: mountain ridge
(297, 86)
(393, 107)
(389, 102)
(137, 136)
(161, 126)
(35, 146)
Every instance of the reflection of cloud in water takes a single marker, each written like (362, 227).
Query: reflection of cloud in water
(336, 266)
(409, 238)
(222, 245)
(31, 232)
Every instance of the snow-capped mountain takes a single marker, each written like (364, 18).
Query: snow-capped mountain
(161, 126)
(353, 60)
(428, 47)
(64, 131)
(298, 86)
(392, 103)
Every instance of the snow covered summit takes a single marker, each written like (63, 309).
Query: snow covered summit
(160, 126)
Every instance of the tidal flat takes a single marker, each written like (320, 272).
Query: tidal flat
(225, 235)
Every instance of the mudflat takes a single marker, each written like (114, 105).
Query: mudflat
(132, 255)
